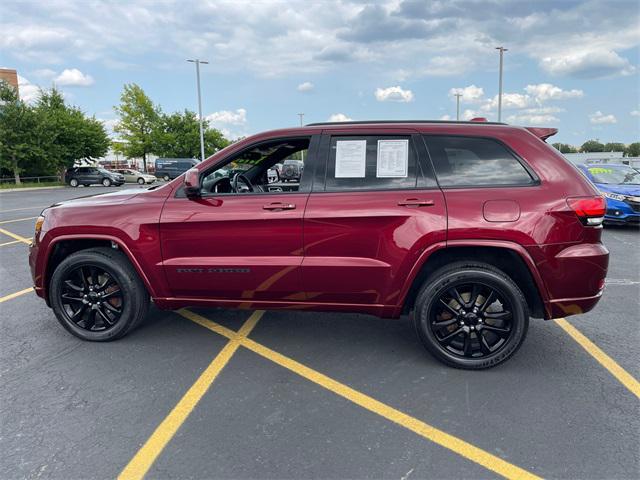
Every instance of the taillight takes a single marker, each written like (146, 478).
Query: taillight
(590, 210)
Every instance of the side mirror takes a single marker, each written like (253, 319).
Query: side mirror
(192, 183)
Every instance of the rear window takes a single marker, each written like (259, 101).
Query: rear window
(466, 161)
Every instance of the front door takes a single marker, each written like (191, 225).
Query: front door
(234, 243)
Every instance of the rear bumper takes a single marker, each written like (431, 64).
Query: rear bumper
(565, 307)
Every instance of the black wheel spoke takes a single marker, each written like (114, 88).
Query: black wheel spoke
(445, 323)
(502, 332)
(467, 349)
(446, 340)
(488, 301)
(69, 298)
(456, 296)
(506, 315)
(475, 291)
(484, 346)
(452, 310)
(86, 295)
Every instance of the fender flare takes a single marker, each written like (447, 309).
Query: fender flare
(515, 247)
(97, 236)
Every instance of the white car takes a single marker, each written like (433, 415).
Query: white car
(134, 176)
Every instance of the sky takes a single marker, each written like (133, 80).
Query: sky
(570, 64)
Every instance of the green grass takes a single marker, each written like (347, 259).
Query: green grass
(7, 185)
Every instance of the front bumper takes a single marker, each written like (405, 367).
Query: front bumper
(622, 212)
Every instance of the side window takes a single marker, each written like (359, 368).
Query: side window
(467, 161)
(372, 162)
(275, 166)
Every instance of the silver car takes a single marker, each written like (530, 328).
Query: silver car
(134, 176)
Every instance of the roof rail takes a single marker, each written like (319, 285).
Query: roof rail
(369, 122)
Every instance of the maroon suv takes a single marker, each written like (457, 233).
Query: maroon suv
(470, 227)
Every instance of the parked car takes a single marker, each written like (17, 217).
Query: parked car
(92, 176)
(620, 184)
(291, 170)
(472, 228)
(170, 168)
(134, 176)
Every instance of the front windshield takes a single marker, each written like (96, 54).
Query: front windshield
(615, 175)
(102, 170)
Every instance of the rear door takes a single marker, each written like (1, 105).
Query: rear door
(374, 208)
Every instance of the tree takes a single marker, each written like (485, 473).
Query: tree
(20, 142)
(592, 146)
(565, 148)
(72, 136)
(138, 119)
(632, 150)
(178, 135)
(614, 147)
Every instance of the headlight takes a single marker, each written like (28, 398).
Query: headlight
(634, 199)
(614, 196)
(38, 227)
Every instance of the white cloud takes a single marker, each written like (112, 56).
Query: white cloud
(509, 101)
(339, 117)
(599, 118)
(228, 117)
(587, 64)
(445, 117)
(44, 73)
(546, 91)
(393, 94)
(470, 94)
(469, 114)
(635, 113)
(305, 87)
(532, 119)
(28, 91)
(72, 77)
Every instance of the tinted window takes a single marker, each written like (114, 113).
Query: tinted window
(615, 175)
(474, 161)
(389, 163)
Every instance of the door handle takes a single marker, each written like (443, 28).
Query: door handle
(279, 206)
(415, 202)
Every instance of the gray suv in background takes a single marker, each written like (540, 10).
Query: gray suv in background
(92, 176)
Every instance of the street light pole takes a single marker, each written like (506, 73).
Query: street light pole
(502, 50)
(457, 95)
(198, 62)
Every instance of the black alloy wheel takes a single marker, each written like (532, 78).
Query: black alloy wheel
(471, 315)
(91, 298)
(471, 320)
(97, 295)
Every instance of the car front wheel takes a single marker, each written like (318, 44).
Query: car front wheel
(73, 182)
(141, 181)
(97, 295)
(471, 315)
(166, 178)
(106, 182)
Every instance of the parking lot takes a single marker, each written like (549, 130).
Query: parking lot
(205, 393)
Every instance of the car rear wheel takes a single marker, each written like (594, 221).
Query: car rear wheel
(471, 315)
(97, 295)
(141, 181)
(74, 182)
(166, 178)
(106, 182)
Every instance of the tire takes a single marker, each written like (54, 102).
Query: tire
(486, 337)
(141, 181)
(127, 290)
(106, 182)
(74, 182)
(166, 178)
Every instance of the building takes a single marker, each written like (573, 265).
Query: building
(594, 157)
(10, 76)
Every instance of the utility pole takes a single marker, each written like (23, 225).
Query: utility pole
(301, 115)
(457, 95)
(198, 62)
(502, 50)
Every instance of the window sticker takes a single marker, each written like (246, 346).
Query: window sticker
(597, 170)
(393, 159)
(351, 157)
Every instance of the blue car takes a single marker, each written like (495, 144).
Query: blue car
(620, 184)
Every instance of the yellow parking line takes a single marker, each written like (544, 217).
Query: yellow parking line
(17, 220)
(144, 458)
(603, 359)
(13, 235)
(450, 442)
(17, 294)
